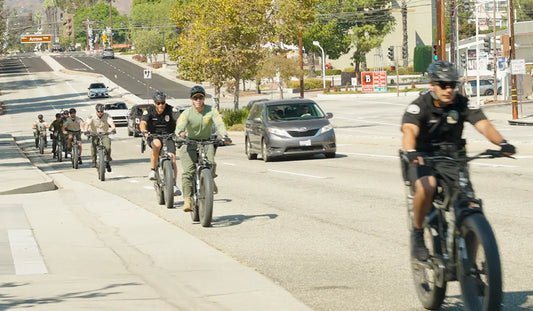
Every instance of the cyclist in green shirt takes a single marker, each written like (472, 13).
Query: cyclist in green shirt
(197, 123)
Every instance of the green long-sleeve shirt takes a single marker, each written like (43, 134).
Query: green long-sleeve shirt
(200, 125)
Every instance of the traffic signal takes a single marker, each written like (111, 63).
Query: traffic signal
(463, 60)
(68, 25)
(486, 45)
(390, 53)
(104, 38)
(435, 52)
(61, 16)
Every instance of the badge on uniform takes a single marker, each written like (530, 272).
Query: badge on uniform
(453, 117)
(167, 118)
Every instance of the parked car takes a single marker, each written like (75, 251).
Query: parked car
(486, 87)
(98, 90)
(118, 111)
(108, 53)
(288, 127)
(253, 101)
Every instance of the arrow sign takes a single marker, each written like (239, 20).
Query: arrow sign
(148, 74)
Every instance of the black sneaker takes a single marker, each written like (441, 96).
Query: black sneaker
(108, 167)
(418, 247)
(80, 162)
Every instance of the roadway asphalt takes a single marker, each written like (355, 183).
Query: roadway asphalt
(71, 246)
(106, 253)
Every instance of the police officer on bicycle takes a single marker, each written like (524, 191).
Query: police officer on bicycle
(100, 122)
(197, 123)
(160, 119)
(436, 118)
(55, 128)
(38, 127)
(73, 126)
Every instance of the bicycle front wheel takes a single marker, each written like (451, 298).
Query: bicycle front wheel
(41, 144)
(59, 151)
(205, 197)
(479, 268)
(75, 156)
(168, 188)
(101, 165)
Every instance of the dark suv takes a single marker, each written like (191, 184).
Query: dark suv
(134, 119)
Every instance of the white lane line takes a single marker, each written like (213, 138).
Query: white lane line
(230, 164)
(84, 64)
(297, 174)
(25, 252)
(370, 155)
(492, 165)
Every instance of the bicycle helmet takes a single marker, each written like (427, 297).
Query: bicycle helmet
(72, 110)
(40, 117)
(58, 115)
(65, 112)
(99, 107)
(442, 71)
(197, 89)
(159, 95)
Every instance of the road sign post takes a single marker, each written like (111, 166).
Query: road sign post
(147, 75)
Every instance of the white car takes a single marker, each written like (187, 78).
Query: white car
(118, 111)
(98, 90)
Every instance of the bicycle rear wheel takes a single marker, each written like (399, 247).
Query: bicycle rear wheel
(428, 277)
(205, 197)
(479, 268)
(101, 165)
(168, 189)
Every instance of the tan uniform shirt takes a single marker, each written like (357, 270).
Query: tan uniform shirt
(73, 125)
(99, 125)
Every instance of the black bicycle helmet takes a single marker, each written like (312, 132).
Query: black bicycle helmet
(442, 71)
(72, 110)
(65, 112)
(159, 95)
(58, 115)
(197, 89)
(99, 107)
(40, 117)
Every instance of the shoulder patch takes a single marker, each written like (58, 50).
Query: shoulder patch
(145, 112)
(174, 110)
(413, 109)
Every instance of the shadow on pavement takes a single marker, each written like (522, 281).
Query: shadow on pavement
(233, 220)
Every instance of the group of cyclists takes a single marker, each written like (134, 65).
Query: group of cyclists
(161, 118)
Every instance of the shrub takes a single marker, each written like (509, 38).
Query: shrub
(157, 65)
(309, 84)
(232, 117)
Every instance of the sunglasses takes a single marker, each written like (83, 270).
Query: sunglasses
(445, 84)
(160, 103)
(198, 97)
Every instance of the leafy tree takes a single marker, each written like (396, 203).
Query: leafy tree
(279, 66)
(225, 42)
(99, 13)
(147, 42)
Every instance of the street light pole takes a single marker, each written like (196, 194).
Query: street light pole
(316, 43)
(164, 59)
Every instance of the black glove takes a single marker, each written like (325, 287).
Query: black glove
(227, 140)
(113, 131)
(51, 136)
(412, 155)
(86, 133)
(507, 148)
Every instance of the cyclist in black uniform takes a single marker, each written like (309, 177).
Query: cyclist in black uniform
(438, 117)
(160, 119)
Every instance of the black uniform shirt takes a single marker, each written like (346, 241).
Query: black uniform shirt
(440, 124)
(164, 123)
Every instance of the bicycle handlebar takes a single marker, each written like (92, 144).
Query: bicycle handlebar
(487, 154)
(208, 141)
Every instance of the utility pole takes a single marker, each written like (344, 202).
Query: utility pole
(441, 35)
(453, 12)
(405, 50)
(514, 95)
(494, 55)
(301, 50)
(111, 23)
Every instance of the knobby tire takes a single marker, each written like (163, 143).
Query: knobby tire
(59, 151)
(205, 197)
(480, 273)
(101, 164)
(41, 144)
(168, 172)
(75, 156)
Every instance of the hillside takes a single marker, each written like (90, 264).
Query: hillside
(123, 6)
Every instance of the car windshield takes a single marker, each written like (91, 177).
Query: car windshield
(97, 86)
(115, 106)
(294, 111)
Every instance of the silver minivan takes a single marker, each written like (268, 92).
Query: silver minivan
(288, 127)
